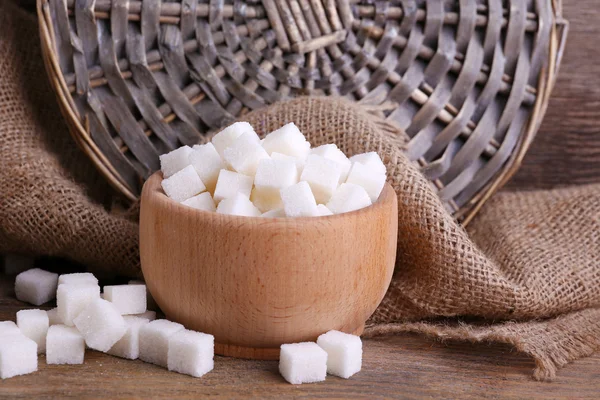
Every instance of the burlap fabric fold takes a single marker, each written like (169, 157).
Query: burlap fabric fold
(526, 273)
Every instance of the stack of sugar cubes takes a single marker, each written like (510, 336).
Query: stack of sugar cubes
(116, 322)
(279, 176)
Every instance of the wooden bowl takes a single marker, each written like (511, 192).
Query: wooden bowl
(256, 283)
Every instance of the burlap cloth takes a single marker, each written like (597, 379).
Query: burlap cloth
(526, 273)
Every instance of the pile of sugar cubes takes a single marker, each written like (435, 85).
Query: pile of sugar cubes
(279, 176)
(117, 322)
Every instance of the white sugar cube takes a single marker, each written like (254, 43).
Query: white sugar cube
(238, 205)
(149, 315)
(303, 363)
(245, 153)
(207, 162)
(371, 181)
(101, 325)
(231, 183)
(18, 356)
(344, 353)
(53, 318)
(34, 324)
(129, 345)
(227, 136)
(154, 341)
(298, 161)
(183, 184)
(71, 299)
(191, 353)
(128, 299)
(36, 286)
(64, 345)
(9, 328)
(322, 175)
(287, 140)
(323, 211)
(348, 197)
(79, 278)
(370, 160)
(203, 201)
(271, 177)
(298, 201)
(175, 161)
(331, 152)
(279, 213)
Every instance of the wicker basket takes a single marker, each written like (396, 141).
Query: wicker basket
(468, 80)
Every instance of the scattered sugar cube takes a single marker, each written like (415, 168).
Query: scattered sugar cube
(183, 184)
(101, 325)
(303, 363)
(231, 183)
(203, 201)
(53, 318)
(287, 140)
(18, 356)
(245, 153)
(323, 211)
(370, 160)
(175, 161)
(279, 213)
(154, 341)
(348, 197)
(129, 345)
(283, 157)
(227, 136)
(150, 303)
(64, 345)
(271, 177)
(191, 353)
(34, 324)
(363, 176)
(331, 152)
(71, 299)
(149, 315)
(36, 286)
(14, 264)
(79, 278)
(128, 299)
(298, 201)
(238, 205)
(344, 353)
(207, 162)
(9, 328)
(323, 176)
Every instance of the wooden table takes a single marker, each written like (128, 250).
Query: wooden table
(406, 366)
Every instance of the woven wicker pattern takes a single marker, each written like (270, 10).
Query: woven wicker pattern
(468, 80)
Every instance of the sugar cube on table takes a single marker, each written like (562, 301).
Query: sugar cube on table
(245, 153)
(53, 318)
(64, 345)
(370, 160)
(148, 315)
(344, 353)
(9, 328)
(207, 162)
(284, 157)
(175, 161)
(322, 175)
(227, 136)
(154, 341)
(18, 355)
(128, 299)
(348, 197)
(183, 184)
(34, 324)
(303, 363)
(331, 152)
(71, 299)
(271, 177)
(231, 183)
(287, 140)
(238, 205)
(203, 201)
(323, 211)
(36, 286)
(101, 325)
(78, 278)
(191, 353)
(298, 201)
(279, 213)
(129, 345)
(371, 181)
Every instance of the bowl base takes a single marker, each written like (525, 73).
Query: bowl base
(258, 353)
